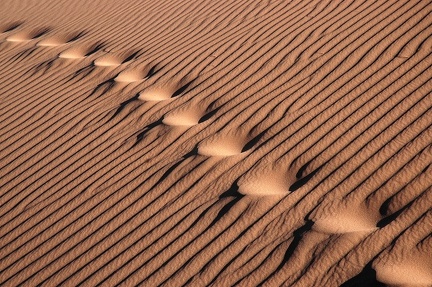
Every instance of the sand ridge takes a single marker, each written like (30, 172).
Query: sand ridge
(216, 143)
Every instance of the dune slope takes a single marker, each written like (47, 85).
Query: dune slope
(171, 143)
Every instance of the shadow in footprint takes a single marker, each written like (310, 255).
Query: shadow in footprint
(174, 166)
(83, 72)
(43, 67)
(76, 36)
(146, 130)
(103, 87)
(124, 104)
(303, 180)
(131, 56)
(23, 55)
(40, 32)
(94, 48)
(233, 193)
(208, 115)
(366, 278)
(302, 169)
(10, 26)
(181, 90)
(384, 211)
(252, 142)
(152, 72)
(298, 236)
(389, 211)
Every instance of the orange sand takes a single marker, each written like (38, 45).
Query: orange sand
(172, 143)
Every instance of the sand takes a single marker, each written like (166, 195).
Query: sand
(215, 143)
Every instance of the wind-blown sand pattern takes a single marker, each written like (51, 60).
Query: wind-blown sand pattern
(171, 143)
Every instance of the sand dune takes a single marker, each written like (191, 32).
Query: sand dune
(216, 143)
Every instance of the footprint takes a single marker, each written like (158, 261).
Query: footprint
(303, 177)
(27, 35)
(265, 181)
(58, 40)
(155, 94)
(187, 118)
(345, 218)
(130, 76)
(211, 112)
(227, 143)
(222, 145)
(135, 74)
(187, 115)
(413, 270)
(164, 92)
(114, 59)
(80, 51)
(9, 27)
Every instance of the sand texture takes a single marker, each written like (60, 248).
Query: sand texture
(215, 143)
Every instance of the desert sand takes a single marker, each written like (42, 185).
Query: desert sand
(215, 143)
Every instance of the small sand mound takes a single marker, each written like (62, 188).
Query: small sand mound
(130, 76)
(223, 144)
(413, 271)
(345, 219)
(108, 60)
(58, 40)
(51, 42)
(73, 53)
(163, 91)
(180, 120)
(188, 116)
(155, 94)
(114, 59)
(264, 182)
(222, 147)
(80, 51)
(25, 36)
(21, 37)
